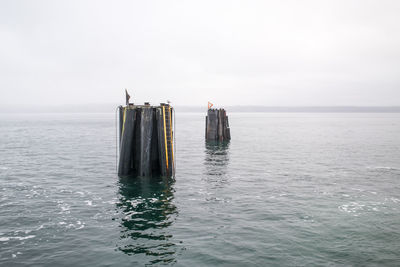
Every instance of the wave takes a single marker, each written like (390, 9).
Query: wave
(8, 238)
(383, 168)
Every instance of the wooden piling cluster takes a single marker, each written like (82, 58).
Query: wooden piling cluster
(146, 146)
(217, 125)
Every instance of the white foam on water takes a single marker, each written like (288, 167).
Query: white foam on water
(129, 214)
(89, 202)
(98, 216)
(81, 225)
(65, 191)
(357, 189)
(78, 225)
(154, 200)
(65, 208)
(109, 202)
(134, 203)
(40, 227)
(8, 238)
(352, 207)
(25, 237)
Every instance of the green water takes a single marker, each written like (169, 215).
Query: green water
(288, 190)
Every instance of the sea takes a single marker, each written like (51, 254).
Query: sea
(289, 189)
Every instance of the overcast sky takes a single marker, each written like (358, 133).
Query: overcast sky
(274, 53)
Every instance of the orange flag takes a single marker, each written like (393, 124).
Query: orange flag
(210, 105)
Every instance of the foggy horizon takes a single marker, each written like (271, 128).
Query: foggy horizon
(110, 107)
(231, 53)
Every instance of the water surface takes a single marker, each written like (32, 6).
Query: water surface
(289, 189)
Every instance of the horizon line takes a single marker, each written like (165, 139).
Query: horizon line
(198, 105)
(110, 107)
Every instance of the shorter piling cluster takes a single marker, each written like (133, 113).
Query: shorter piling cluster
(217, 125)
(146, 141)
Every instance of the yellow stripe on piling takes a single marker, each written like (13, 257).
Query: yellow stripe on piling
(165, 137)
(123, 123)
(172, 143)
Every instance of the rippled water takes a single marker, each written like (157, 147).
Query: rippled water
(289, 189)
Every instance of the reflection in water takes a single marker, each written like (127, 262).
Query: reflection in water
(146, 210)
(217, 158)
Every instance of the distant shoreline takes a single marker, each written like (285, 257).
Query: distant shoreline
(301, 109)
(106, 108)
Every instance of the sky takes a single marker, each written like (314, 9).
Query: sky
(271, 53)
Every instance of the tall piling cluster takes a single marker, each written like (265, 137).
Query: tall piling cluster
(217, 125)
(146, 141)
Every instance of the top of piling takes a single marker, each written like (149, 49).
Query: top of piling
(213, 109)
(146, 105)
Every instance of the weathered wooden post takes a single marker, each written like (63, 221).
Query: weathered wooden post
(217, 125)
(146, 146)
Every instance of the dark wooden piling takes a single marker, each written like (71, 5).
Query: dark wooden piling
(217, 125)
(161, 142)
(146, 134)
(126, 145)
(146, 144)
(155, 158)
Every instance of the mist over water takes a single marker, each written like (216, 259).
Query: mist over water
(289, 189)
